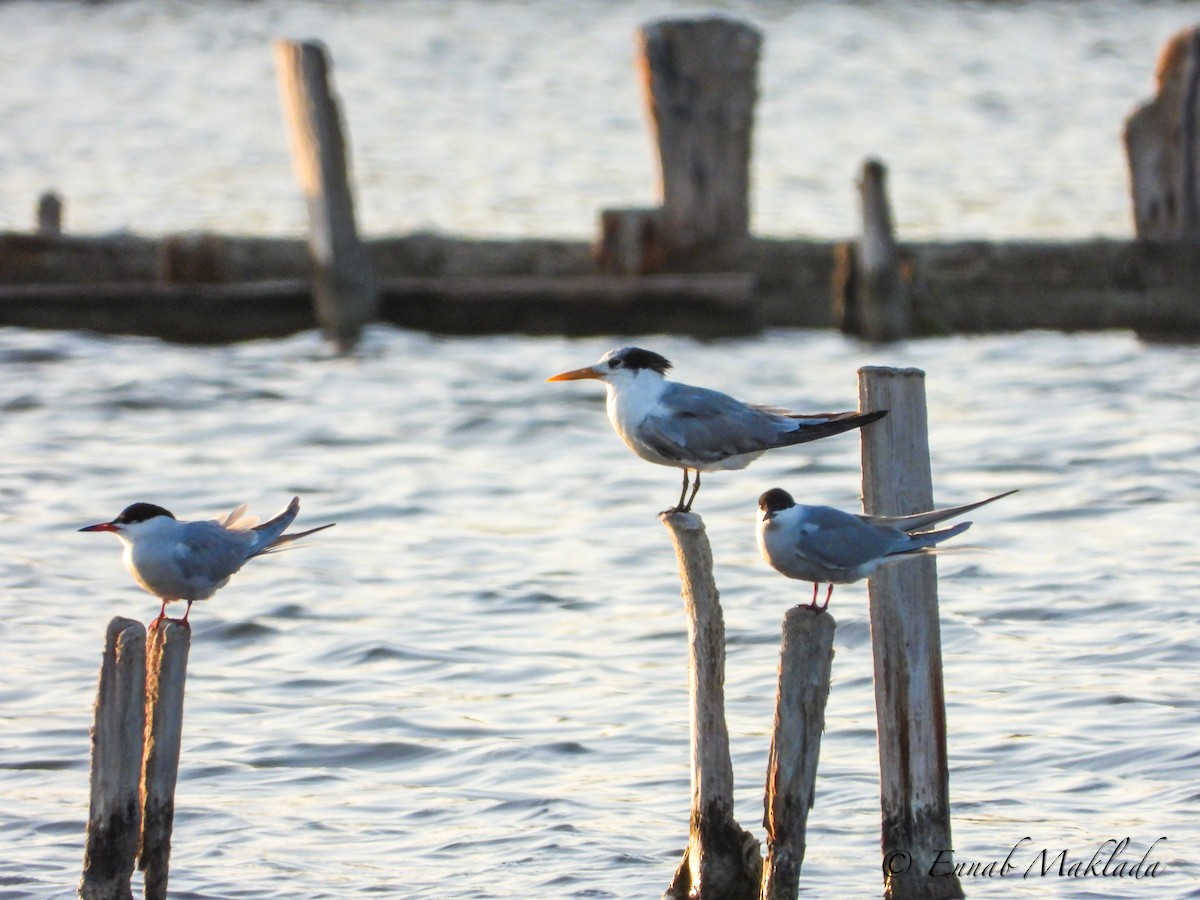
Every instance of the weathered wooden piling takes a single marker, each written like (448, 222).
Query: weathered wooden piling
(344, 281)
(906, 643)
(872, 299)
(885, 305)
(49, 214)
(805, 665)
(191, 258)
(167, 647)
(115, 812)
(632, 241)
(722, 860)
(1162, 145)
(701, 85)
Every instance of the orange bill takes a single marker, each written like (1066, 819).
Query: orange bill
(576, 374)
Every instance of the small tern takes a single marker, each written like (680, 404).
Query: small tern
(694, 428)
(191, 561)
(822, 544)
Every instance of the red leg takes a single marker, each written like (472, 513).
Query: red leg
(189, 609)
(828, 594)
(813, 605)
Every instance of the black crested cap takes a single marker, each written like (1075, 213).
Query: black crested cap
(775, 499)
(637, 358)
(140, 512)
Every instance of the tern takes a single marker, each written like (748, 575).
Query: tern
(191, 561)
(694, 428)
(822, 544)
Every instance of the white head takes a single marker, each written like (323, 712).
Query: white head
(137, 519)
(624, 366)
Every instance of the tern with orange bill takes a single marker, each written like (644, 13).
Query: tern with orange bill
(693, 428)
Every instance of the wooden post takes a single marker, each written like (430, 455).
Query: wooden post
(49, 214)
(884, 303)
(847, 317)
(115, 814)
(906, 643)
(166, 672)
(805, 664)
(722, 860)
(701, 83)
(1162, 145)
(344, 287)
(194, 258)
(631, 242)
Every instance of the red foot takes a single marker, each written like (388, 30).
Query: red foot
(828, 594)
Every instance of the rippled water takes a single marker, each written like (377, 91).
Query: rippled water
(475, 686)
(524, 117)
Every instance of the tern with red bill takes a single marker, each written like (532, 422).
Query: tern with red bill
(825, 545)
(694, 428)
(191, 561)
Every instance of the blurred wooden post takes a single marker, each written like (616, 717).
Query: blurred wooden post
(722, 860)
(115, 813)
(166, 672)
(191, 258)
(631, 242)
(1162, 145)
(871, 297)
(344, 286)
(847, 317)
(805, 665)
(49, 214)
(906, 643)
(701, 84)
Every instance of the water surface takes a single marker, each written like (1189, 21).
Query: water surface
(475, 686)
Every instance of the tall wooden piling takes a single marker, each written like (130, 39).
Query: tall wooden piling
(344, 286)
(167, 649)
(885, 304)
(906, 642)
(872, 298)
(701, 85)
(722, 860)
(49, 214)
(115, 813)
(805, 665)
(1162, 145)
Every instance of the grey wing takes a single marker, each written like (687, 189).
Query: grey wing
(707, 426)
(840, 540)
(207, 553)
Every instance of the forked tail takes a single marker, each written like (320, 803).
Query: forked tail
(270, 533)
(928, 539)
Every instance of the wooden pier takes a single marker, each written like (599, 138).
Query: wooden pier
(453, 285)
(687, 265)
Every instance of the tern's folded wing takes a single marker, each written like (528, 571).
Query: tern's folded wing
(707, 426)
(844, 541)
(205, 550)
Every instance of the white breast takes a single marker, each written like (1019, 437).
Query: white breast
(629, 406)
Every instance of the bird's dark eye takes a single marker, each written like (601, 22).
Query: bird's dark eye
(614, 363)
